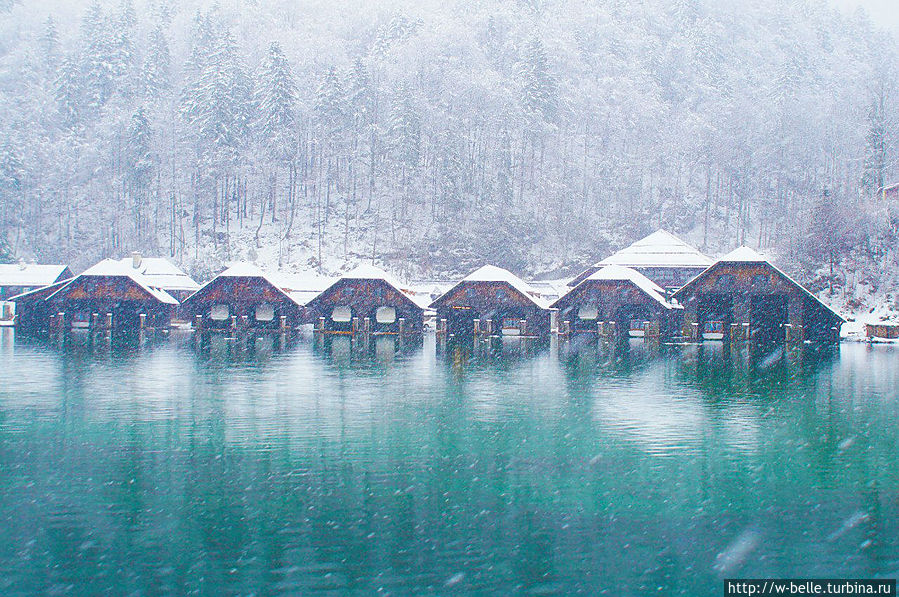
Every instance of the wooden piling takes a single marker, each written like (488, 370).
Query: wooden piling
(477, 327)
(366, 325)
(355, 325)
(488, 327)
(402, 326)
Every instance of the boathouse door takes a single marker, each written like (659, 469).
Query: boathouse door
(461, 321)
(768, 314)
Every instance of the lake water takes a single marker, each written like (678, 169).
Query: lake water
(335, 469)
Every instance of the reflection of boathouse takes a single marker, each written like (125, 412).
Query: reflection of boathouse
(618, 300)
(662, 257)
(492, 301)
(366, 300)
(743, 296)
(243, 297)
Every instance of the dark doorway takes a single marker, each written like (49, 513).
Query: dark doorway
(460, 322)
(767, 316)
(715, 314)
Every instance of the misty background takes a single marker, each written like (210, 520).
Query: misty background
(432, 137)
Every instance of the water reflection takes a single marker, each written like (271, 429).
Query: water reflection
(344, 467)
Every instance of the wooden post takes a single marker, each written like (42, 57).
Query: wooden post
(745, 332)
(244, 322)
(477, 327)
(198, 323)
(366, 325)
(282, 324)
(488, 327)
(142, 318)
(402, 326)
(321, 324)
(108, 321)
(611, 331)
(61, 322)
(523, 327)
(355, 325)
(441, 326)
(95, 319)
(694, 331)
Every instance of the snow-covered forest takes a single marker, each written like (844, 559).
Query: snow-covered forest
(432, 136)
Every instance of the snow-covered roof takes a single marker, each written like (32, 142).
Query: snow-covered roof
(659, 249)
(162, 273)
(626, 274)
(747, 255)
(367, 271)
(299, 288)
(491, 273)
(744, 254)
(29, 274)
(113, 268)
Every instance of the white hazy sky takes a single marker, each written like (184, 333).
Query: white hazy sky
(882, 12)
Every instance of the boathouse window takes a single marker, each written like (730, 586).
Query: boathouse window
(265, 312)
(588, 312)
(342, 314)
(219, 312)
(385, 315)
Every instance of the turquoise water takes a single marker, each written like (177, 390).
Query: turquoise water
(334, 469)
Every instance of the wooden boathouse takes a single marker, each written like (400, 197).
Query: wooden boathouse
(33, 311)
(492, 301)
(617, 302)
(19, 278)
(367, 300)
(662, 257)
(245, 298)
(742, 296)
(113, 296)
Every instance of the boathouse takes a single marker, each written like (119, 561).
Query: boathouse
(32, 311)
(19, 278)
(743, 296)
(618, 301)
(492, 301)
(243, 297)
(111, 295)
(662, 257)
(367, 300)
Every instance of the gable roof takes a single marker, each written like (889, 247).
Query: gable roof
(30, 274)
(491, 273)
(114, 269)
(618, 273)
(162, 273)
(747, 255)
(371, 272)
(298, 288)
(659, 249)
